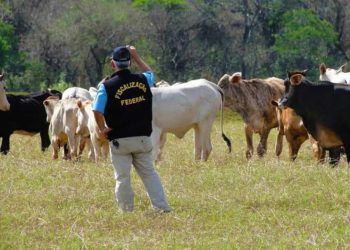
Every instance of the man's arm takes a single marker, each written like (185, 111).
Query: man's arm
(138, 60)
(100, 120)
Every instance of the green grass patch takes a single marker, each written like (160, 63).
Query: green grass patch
(225, 203)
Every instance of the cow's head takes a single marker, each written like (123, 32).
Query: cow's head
(56, 93)
(4, 104)
(49, 105)
(291, 84)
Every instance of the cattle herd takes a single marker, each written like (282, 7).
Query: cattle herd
(297, 107)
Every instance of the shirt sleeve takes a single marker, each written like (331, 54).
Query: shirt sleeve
(100, 100)
(150, 77)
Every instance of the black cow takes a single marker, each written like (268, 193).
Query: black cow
(26, 116)
(324, 109)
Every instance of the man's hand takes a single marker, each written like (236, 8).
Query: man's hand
(132, 50)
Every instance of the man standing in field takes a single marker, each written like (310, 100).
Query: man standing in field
(123, 112)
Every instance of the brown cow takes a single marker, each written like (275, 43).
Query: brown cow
(252, 100)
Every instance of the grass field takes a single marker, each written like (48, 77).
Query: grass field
(225, 203)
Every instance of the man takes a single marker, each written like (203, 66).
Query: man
(123, 112)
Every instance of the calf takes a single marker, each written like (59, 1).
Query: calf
(178, 108)
(323, 108)
(87, 127)
(252, 100)
(63, 125)
(291, 125)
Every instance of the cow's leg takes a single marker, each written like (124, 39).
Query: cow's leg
(82, 143)
(72, 142)
(66, 153)
(205, 129)
(279, 143)
(249, 138)
(96, 147)
(90, 148)
(105, 149)
(155, 136)
(5, 144)
(334, 156)
(45, 139)
(262, 147)
(318, 152)
(197, 144)
(55, 148)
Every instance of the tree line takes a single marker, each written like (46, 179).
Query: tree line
(50, 43)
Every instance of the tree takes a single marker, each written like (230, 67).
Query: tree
(303, 42)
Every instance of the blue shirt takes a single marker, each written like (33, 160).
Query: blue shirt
(101, 96)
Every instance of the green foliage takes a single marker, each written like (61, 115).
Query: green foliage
(304, 40)
(165, 3)
(7, 39)
(61, 84)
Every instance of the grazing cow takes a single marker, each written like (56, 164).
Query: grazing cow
(26, 116)
(87, 126)
(77, 92)
(4, 104)
(178, 108)
(252, 100)
(323, 108)
(334, 76)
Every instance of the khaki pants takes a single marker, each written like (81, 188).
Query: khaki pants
(136, 151)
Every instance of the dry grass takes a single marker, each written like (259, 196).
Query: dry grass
(225, 203)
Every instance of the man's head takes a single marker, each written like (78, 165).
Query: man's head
(121, 57)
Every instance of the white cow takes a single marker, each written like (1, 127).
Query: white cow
(178, 108)
(4, 104)
(93, 92)
(333, 75)
(63, 118)
(77, 92)
(87, 126)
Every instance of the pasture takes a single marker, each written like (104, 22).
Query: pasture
(225, 203)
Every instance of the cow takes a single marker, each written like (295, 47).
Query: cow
(26, 116)
(77, 92)
(87, 126)
(4, 104)
(63, 126)
(178, 108)
(334, 76)
(252, 100)
(323, 108)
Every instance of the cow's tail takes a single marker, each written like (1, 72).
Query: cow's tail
(226, 139)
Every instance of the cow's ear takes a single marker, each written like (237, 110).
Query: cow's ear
(236, 77)
(1, 77)
(274, 103)
(296, 79)
(46, 102)
(323, 68)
